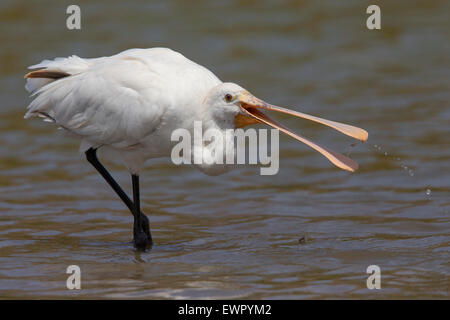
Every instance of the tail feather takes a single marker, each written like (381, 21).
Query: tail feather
(52, 70)
(47, 74)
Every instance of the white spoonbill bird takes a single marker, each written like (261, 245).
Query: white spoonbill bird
(131, 103)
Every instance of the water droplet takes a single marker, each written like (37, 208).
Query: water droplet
(428, 192)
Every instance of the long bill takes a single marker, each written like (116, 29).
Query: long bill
(250, 105)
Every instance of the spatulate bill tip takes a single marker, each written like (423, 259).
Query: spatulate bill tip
(364, 136)
(348, 166)
(343, 162)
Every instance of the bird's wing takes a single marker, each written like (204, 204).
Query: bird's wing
(115, 100)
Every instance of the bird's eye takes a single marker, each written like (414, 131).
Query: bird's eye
(228, 97)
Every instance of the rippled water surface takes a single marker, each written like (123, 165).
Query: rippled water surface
(310, 231)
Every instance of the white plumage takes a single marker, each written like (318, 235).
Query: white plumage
(121, 101)
(132, 102)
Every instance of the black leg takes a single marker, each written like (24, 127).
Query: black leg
(142, 222)
(140, 238)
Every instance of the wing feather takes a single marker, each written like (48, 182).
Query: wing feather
(119, 100)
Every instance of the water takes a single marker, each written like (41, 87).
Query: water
(309, 232)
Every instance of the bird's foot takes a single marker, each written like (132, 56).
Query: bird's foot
(142, 237)
(145, 223)
(141, 241)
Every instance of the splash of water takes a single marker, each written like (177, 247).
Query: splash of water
(350, 148)
(407, 169)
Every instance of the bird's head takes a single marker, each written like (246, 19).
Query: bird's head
(231, 106)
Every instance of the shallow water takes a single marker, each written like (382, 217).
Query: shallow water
(238, 235)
